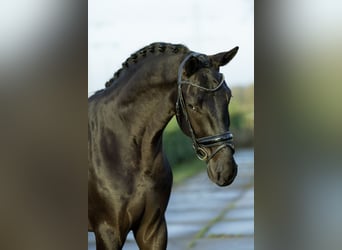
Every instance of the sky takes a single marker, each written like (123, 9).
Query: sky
(118, 28)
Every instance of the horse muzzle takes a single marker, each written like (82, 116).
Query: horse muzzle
(223, 170)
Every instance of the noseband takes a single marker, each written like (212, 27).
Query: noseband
(200, 144)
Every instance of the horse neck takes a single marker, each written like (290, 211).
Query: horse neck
(145, 101)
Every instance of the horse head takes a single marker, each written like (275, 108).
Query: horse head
(203, 112)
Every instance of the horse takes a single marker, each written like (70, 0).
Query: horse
(129, 177)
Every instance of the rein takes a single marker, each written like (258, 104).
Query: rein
(200, 144)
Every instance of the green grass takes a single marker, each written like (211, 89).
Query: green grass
(186, 170)
(180, 154)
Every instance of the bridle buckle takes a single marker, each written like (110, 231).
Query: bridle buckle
(201, 153)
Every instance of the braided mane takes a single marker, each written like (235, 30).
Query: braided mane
(153, 48)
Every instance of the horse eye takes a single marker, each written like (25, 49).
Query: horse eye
(192, 107)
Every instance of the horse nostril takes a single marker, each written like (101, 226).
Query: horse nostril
(218, 175)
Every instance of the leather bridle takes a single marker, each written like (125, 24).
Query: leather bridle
(200, 145)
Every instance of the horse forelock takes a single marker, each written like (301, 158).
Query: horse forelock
(152, 49)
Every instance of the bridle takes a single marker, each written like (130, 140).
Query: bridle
(200, 144)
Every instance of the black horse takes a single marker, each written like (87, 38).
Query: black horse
(129, 177)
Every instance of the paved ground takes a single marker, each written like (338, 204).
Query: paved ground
(203, 216)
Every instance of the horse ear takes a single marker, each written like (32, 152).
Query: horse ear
(191, 66)
(223, 58)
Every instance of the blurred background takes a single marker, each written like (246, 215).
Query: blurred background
(116, 29)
